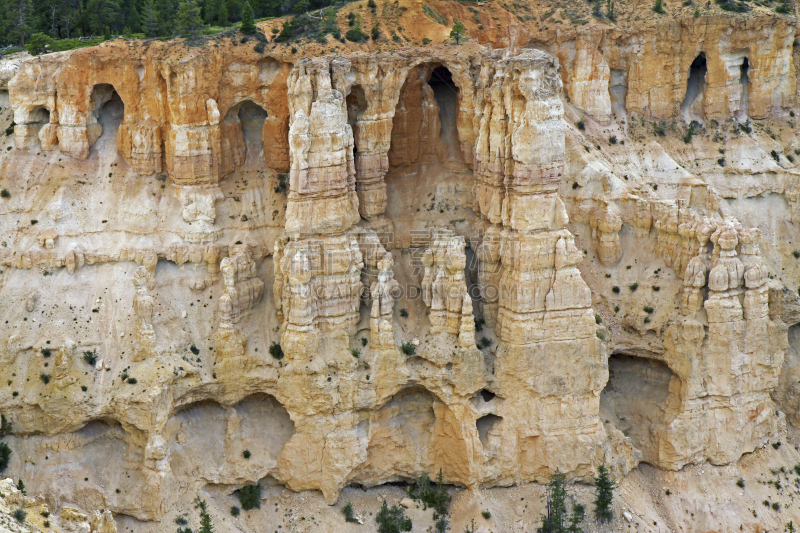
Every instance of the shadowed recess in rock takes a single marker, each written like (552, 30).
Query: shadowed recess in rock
(636, 397)
(210, 440)
(695, 85)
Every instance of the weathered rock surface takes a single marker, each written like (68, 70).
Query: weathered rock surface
(359, 268)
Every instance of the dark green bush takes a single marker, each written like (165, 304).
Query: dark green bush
(90, 357)
(5, 456)
(250, 497)
(349, 514)
(581, 125)
(276, 351)
(408, 348)
(19, 515)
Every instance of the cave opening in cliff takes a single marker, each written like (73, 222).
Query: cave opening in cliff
(402, 432)
(637, 399)
(487, 430)
(618, 91)
(207, 435)
(446, 94)
(252, 117)
(744, 80)
(427, 182)
(695, 86)
(356, 105)
(5, 101)
(108, 111)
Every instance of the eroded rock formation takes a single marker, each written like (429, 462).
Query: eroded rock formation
(365, 267)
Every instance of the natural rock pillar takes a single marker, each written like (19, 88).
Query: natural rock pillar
(550, 365)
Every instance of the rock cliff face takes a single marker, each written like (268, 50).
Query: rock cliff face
(363, 267)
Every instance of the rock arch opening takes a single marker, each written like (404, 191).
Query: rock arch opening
(30, 134)
(242, 137)
(744, 81)
(425, 182)
(356, 105)
(446, 94)
(637, 399)
(487, 430)
(107, 113)
(401, 438)
(618, 91)
(252, 117)
(692, 105)
(424, 127)
(207, 438)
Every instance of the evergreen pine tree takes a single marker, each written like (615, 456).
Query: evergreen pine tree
(21, 19)
(150, 19)
(457, 31)
(222, 13)
(556, 515)
(205, 519)
(604, 494)
(248, 25)
(188, 21)
(21, 487)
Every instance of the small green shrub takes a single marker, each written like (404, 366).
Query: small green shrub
(633, 287)
(355, 352)
(740, 483)
(691, 131)
(404, 313)
(235, 511)
(250, 497)
(656, 288)
(19, 515)
(581, 125)
(648, 309)
(486, 514)
(276, 351)
(246, 454)
(363, 341)
(612, 139)
(90, 357)
(598, 319)
(5, 194)
(775, 156)
(658, 7)
(45, 378)
(132, 381)
(485, 342)
(408, 348)
(181, 521)
(745, 127)
(796, 254)
(721, 161)
(283, 183)
(615, 289)
(600, 335)
(5, 456)
(349, 514)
